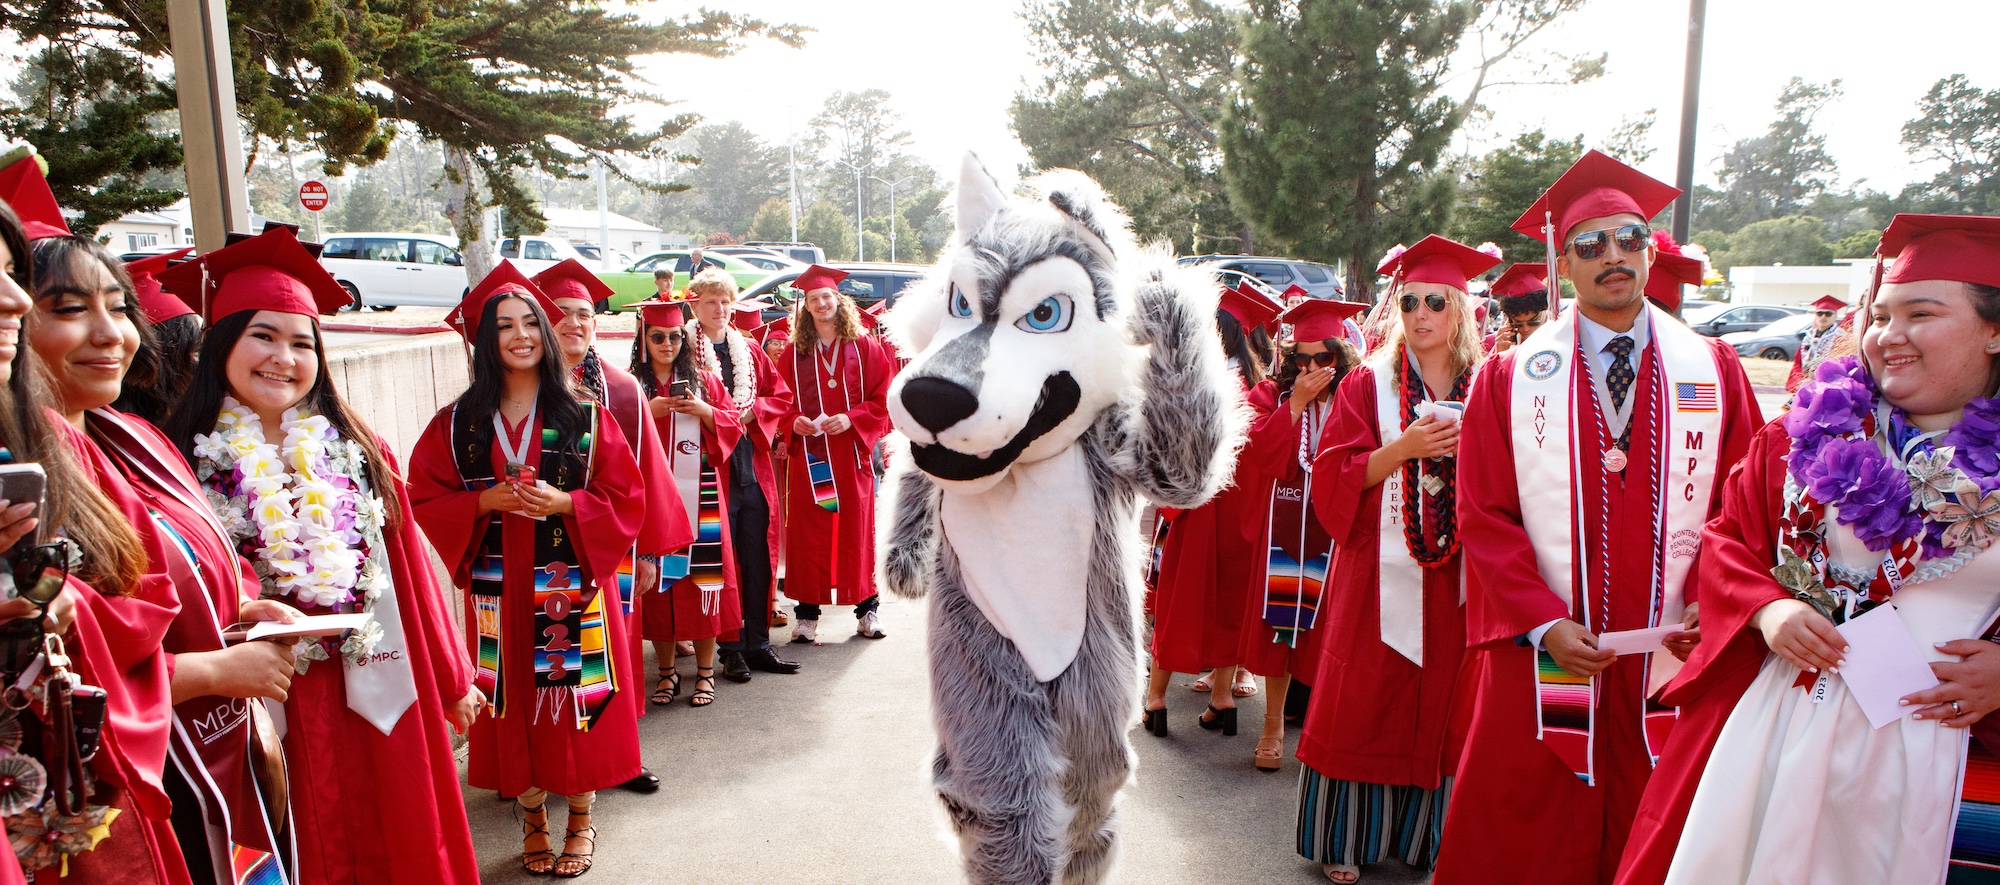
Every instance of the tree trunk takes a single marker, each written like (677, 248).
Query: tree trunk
(466, 211)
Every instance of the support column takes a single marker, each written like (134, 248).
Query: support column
(210, 135)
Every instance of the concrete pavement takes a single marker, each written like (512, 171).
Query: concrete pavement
(820, 778)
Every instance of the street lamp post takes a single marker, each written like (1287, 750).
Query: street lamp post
(860, 246)
(892, 210)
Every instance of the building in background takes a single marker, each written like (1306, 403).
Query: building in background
(1845, 279)
(636, 238)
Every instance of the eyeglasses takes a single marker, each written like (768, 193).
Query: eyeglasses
(1322, 359)
(581, 314)
(1822, 313)
(1435, 301)
(1631, 238)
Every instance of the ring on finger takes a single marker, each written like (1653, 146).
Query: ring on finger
(1955, 711)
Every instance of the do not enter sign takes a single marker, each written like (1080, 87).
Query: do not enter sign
(313, 196)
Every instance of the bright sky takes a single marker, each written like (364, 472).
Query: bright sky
(953, 68)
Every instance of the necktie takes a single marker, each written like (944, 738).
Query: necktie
(1619, 379)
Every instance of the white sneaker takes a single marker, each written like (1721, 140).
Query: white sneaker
(804, 632)
(871, 626)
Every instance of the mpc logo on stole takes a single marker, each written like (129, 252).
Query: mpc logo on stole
(1544, 365)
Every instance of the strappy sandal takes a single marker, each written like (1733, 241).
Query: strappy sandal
(704, 687)
(668, 688)
(1271, 758)
(583, 859)
(1203, 683)
(530, 829)
(1245, 684)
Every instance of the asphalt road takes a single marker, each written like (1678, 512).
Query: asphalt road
(820, 778)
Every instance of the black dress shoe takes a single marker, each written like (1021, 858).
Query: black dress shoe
(646, 782)
(768, 661)
(734, 668)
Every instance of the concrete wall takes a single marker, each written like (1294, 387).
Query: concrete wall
(397, 382)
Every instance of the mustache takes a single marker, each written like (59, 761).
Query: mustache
(1620, 271)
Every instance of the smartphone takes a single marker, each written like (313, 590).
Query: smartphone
(24, 483)
(86, 711)
(679, 388)
(521, 474)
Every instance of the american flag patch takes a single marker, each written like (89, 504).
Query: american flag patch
(1694, 397)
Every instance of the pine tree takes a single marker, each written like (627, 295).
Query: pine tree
(92, 113)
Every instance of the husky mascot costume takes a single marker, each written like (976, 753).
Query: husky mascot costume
(1059, 372)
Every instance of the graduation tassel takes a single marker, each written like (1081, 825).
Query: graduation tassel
(1549, 256)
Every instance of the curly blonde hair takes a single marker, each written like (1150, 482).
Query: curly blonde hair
(712, 281)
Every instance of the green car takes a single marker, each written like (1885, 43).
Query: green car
(635, 283)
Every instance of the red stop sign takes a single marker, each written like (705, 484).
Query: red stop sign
(313, 196)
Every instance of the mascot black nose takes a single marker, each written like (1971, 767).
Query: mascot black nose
(937, 403)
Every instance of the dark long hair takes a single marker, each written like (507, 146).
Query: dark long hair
(1288, 372)
(1251, 348)
(683, 369)
(113, 554)
(171, 351)
(555, 397)
(202, 402)
(59, 263)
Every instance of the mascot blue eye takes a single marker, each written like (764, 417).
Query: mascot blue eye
(1050, 315)
(961, 306)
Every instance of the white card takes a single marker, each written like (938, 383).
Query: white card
(1445, 414)
(1632, 642)
(1883, 663)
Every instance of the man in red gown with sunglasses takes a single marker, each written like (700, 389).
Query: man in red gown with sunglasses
(1592, 453)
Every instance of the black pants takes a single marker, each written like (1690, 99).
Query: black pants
(749, 524)
(807, 611)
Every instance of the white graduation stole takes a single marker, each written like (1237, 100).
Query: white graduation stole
(1400, 588)
(684, 457)
(1547, 447)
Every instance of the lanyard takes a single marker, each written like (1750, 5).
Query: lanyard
(515, 454)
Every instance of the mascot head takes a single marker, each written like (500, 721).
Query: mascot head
(1019, 332)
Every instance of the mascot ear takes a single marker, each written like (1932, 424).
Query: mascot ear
(979, 197)
(1077, 197)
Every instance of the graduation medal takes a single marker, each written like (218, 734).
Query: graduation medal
(1614, 460)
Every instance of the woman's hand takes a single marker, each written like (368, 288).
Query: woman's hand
(259, 669)
(1307, 388)
(461, 712)
(499, 497)
(1800, 635)
(56, 619)
(660, 406)
(542, 499)
(688, 405)
(268, 610)
(836, 424)
(16, 521)
(1970, 689)
(1681, 644)
(804, 426)
(1427, 437)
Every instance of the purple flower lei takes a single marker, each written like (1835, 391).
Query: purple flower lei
(1835, 462)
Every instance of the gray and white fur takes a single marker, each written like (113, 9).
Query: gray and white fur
(1029, 765)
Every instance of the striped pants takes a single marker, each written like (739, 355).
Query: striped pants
(1349, 822)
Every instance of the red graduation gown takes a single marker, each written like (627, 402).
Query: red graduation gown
(1737, 550)
(114, 642)
(1516, 806)
(1270, 454)
(1213, 555)
(674, 614)
(763, 425)
(519, 751)
(1375, 717)
(666, 527)
(830, 557)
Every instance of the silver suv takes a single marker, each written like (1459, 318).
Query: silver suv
(1319, 280)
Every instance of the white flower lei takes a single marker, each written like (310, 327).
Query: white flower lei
(303, 511)
(743, 380)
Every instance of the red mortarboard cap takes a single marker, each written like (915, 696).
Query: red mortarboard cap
(26, 190)
(778, 328)
(504, 277)
(1523, 278)
(1317, 320)
(154, 300)
(1669, 271)
(818, 277)
(1828, 302)
(749, 315)
(661, 314)
(870, 320)
(1965, 248)
(1596, 186)
(1250, 306)
(1435, 259)
(1294, 291)
(570, 279)
(270, 271)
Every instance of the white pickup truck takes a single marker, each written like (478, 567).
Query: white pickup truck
(534, 254)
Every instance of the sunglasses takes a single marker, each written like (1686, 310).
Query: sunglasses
(1322, 359)
(1435, 301)
(1631, 238)
(1822, 313)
